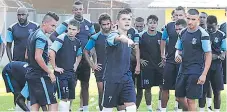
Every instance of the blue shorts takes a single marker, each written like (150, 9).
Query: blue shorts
(170, 75)
(66, 85)
(186, 86)
(41, 91)
(215, 77)
(12, 84)
(115, 94)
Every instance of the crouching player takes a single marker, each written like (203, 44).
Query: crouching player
(65, 55)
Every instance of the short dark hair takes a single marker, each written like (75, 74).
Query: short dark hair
(104, 16)
(204, 13)
(139, 19)
(212, 19)
(180, 8)
(78, 2)
(181, 22)
(193, 12)
(172, 13)
(52, 15)
(153, 17)
(124, 11)
(74, 23)
(128, 9)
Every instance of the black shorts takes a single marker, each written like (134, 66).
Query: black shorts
(41, 91)
(99, 76)
(149, 77)
(186, 86)
(83, 72)
(215, 77)
(115, 94)
(169, 76)
(66, 85)
(11, 84)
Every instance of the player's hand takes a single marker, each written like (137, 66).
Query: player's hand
(222, 56)
(143, 62)
(137, 70)
(202, 79)
(97, 67)
(60, 70)
(75, 68)
(178, 58)
(52, 78)
(163, 62)
(215, 56)
(131, 43)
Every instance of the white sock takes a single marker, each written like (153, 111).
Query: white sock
(176, 104)
(149, 107)
(107, 109)
(163, 109)
(29, 105)
(85, 108)
(209, 102)
(179, 110)
(216, 110)
(131, 108)
(121, 111)
(201, 109)
(159, 104)
(18, 109)
(63, 106)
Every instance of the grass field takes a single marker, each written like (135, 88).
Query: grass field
(6, 99)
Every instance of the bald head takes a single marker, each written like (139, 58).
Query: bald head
(22, 15)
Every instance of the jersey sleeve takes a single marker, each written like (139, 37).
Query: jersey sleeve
(58, 43)
(1, 41)
(205, 39)
(40, 43)
(79, 52)
(223, 44)
(90, 44)
(111, 39)
(92, 29)
(9, 35)
(178, 45)
(165, 34)
(61, 28)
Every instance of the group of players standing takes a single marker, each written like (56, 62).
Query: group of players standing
(178, 58)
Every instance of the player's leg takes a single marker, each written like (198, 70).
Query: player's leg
(63, 93)
(217, 85)
(34, 87)
(20, 100)
(139, 91)
(148, 98)
(169, 78)
(71, 86)
(100, 92)
(193, 91)
(209, 98)
(180, 91)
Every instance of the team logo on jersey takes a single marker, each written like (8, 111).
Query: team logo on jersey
(216, 40)
(194, 41)
(30, 31)
(74, 48)
(86, 27)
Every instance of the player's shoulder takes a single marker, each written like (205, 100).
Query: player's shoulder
(142, 33)
(13, 25)
(170, 24)
(159, 33)
(34, 23)
(95, 36)
(221, 33)
(184, 30)
(67, 20)
(87, 21)
(40, 34)
(203, 32)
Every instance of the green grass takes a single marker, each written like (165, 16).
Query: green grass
(6, 99)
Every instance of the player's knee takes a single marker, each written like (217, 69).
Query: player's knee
(216, 93)
(131, 108)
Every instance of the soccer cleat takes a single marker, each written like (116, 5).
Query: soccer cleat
(209, 109)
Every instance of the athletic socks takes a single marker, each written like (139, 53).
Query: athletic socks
(149, 107)
(163, 109)
(131, 108)
(201, 109)
(216, 110)
(159, 104)
(107, 109)
(85, 108)
(209, 102)
(63, 106)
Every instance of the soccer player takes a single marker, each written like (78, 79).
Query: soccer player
(2, 47)
(215, 73)
(86, 30)
(151, 73)
(167, 53)
(98, 41)
(39, 77)
(194, 54)
(118, 83)
(203, 19)
(65, 56)
(14, 77)
(18, 33)
(139, 24)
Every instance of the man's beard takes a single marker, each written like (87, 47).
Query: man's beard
(78, 17)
